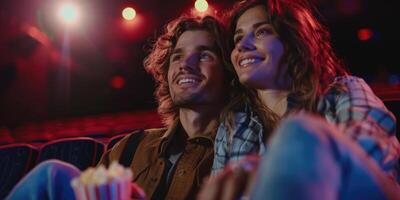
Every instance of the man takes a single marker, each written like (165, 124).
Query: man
(170, 163)
(186, 62)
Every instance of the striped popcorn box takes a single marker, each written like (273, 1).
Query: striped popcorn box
(100, 183)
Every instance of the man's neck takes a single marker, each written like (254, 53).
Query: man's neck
(198, 121)
(276, 100)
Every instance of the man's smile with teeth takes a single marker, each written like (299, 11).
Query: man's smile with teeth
(187, 80)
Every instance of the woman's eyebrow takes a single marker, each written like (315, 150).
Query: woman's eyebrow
(238, 31)
(256, 25)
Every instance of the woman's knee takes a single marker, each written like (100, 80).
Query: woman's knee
(304, 126)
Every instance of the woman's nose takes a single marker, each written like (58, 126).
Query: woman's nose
(246, 43)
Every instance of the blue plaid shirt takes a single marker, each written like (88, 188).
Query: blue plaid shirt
(247, 138)
(349, 103)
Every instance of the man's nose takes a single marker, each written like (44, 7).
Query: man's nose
(246, 43)
(189, 63)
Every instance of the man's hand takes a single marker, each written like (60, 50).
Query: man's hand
(137, 192)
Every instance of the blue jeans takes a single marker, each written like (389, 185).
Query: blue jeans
(50, 180)
(307, 158)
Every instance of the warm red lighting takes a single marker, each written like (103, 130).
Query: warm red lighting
(365, 34)
(117, 82)
(129, 13)
(201, 5)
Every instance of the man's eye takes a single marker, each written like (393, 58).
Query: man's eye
(176, 57)
(205, 57)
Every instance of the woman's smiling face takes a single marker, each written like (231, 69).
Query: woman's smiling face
(258, 51)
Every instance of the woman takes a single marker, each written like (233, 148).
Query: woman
(283, 57)
(294, 65)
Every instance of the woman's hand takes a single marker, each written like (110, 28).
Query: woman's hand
(234, 182)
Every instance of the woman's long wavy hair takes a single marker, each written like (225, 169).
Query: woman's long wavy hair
(312, 63)
(157, 62)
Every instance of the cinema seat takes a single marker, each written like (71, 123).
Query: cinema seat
(82, 152)
(15, 161)
(114, 140)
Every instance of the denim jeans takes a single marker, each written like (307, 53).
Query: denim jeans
(50, 180)
(307, 158)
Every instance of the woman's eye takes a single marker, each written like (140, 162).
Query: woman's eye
(237, 39)
(261, 32)
(205, 57)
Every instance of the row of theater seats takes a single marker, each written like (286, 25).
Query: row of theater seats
(80, 141)
(26, 151)
(98, 126)
(18, 159)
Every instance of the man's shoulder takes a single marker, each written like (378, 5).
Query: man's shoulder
(130, 142)
(155, 132)
(149, 134)
(142, 133)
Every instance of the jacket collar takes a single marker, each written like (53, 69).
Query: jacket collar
(172, 132)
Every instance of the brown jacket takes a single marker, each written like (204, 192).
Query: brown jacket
(149, 162)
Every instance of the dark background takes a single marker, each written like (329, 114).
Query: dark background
(50, 71)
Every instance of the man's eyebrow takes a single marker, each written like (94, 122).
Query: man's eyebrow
(207, 48)
(198, 48)
(256, 25)
(176, 51)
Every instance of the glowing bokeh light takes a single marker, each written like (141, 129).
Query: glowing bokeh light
(117, 82)
(129, 13)
(394, 80)
(69, 13)
(365, 34)
(201, 5)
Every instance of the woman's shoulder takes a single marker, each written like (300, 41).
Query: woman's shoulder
(245, 119)
(348, 85)
(349, 79)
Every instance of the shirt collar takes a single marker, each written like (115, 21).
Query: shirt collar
(292, 102)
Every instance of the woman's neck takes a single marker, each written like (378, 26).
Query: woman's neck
(276, 100)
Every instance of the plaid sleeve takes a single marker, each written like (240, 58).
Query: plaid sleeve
(246, 139)
(360, 114)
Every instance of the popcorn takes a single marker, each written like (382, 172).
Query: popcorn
(100, 183)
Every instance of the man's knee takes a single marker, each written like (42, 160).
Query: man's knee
(57, 168)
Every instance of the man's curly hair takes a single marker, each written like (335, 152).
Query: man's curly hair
(157, 62)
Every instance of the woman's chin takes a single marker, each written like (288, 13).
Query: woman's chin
(249, 82)
(244, 80)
